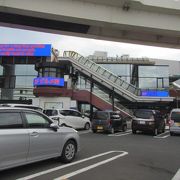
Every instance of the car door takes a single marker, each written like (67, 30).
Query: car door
(14, 139)
(78, 121)
(44, 141)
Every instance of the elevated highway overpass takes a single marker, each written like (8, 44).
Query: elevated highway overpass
(154, 22)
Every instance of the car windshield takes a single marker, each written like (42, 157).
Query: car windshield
(175, 116)
(143, 114)
(101, 115)
(50, 112)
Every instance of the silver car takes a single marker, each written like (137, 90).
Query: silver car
(174, 122)
(28, 136)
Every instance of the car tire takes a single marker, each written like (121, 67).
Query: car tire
(133, 131)
(69, 151)
(87, 126)
(163, 129)
(94, 131)
(171, 133)
(124, 128)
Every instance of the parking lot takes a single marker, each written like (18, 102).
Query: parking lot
(122, 155)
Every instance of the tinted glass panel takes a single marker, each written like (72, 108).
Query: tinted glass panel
(50, 112)
(25, 70)
(101, 115)
(175, 116)
(74, 113)
(143, 114)
(36, 121)
(65, 112)
(10, 120)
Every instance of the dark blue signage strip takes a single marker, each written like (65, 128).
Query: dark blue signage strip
(155, 93)
(25, 49)
(48, 81)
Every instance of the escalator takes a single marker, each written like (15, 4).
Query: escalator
(108, 80)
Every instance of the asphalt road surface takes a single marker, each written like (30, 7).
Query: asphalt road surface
(121, 156)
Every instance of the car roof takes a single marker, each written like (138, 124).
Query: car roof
(61, 109)
(13, 105)
(17, 108)
(175, 110)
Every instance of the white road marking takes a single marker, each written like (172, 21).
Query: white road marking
(163, 137)
(120, 134)
(166, 134)
(91, 166)
(177, 175)
(66, 165)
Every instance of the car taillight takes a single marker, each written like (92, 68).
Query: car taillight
(171, 122)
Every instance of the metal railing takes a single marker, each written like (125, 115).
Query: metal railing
(102, 72)
(109, 79)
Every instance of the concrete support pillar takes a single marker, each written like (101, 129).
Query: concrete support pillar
(9, 82)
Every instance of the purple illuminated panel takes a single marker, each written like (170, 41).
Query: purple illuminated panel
(25, 50)
(48, 81)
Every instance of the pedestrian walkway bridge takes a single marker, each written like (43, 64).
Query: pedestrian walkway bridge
(109, 80)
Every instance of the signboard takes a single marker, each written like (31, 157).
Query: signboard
(155, 93)
(25, 49)
(48, 81)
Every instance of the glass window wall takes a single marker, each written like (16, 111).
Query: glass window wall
(153, 77)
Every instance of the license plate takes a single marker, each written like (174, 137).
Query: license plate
(99, 127)
(177, 124)
(141, 122)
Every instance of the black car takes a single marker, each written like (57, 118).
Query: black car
(108, 121)
(147, 120)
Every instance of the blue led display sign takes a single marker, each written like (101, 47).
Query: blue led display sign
(48, 81)
(155, 93)
(25, 49)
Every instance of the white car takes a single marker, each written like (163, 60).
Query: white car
(69, 117)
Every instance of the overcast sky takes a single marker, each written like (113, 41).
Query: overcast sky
(85, 46)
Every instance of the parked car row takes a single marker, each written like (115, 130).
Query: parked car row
(111, 121)
(145, 120)
(28, 135)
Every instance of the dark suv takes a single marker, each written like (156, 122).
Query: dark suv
(108, 121)
(148, 120)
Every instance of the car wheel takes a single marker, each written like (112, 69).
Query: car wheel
(68, 152)
(94, 131)
(171, 133)
(87, 126)
(112, 130)
(124, 128)
(163, 129)
(133, 131)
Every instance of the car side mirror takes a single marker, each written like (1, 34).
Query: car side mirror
(83, 116)
(54, 126)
